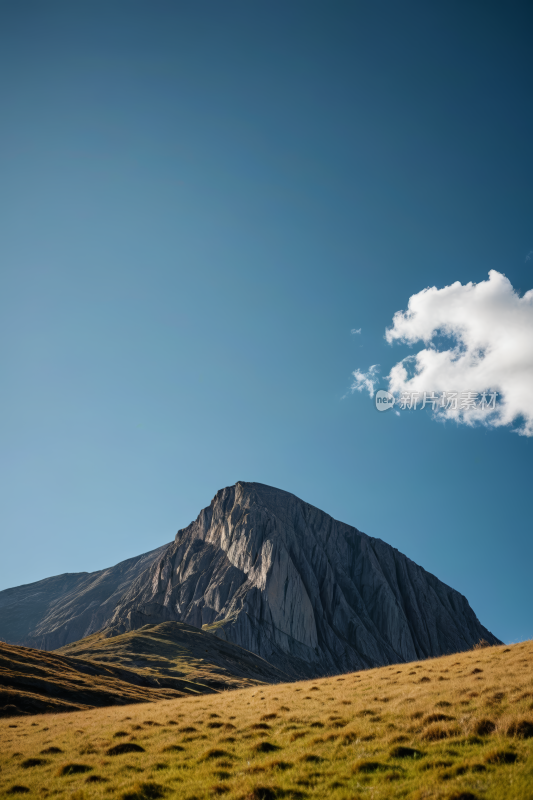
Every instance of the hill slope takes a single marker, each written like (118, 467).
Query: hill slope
(154, 663)
(36, 682)
(174, 650)
(455, 727)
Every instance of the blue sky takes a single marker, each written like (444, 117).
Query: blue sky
(199, 202)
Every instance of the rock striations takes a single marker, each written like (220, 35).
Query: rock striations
(267, 571)
(271, 573)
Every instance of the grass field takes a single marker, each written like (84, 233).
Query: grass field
(460, 726)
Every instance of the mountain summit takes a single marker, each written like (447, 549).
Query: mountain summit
(265, 570)
(313, 596)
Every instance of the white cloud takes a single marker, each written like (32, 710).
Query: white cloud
(528, 258)
(489, 329)
(355, 331)
(365, 380)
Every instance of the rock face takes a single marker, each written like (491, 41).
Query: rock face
(55, 611)
(267, 571)
(264, 570)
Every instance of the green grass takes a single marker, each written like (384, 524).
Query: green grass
(188, 657)
(455, 727)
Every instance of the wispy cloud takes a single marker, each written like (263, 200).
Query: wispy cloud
(528, 258)
(365, 380)
(490, 332)
(354, 330)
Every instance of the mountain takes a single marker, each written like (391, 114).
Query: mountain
(311, 595)
(52, 612)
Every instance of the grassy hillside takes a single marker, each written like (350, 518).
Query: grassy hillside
(174, 653)
(460, 726)
(34, 681)
(154, 663)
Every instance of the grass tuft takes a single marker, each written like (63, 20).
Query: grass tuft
(484, 727)
(266, 747)
(437, 718)
(522, 729)
(405, 752)
(144, 791)
(501, 757)
(436, 732)
(125, 747)
(215, 753)
(282, 765)
(368, 766)
(28, 763)
(262, 793)
(73, 769)
(311, 758)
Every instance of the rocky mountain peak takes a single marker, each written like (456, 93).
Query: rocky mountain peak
(312, 595)
(267, 571)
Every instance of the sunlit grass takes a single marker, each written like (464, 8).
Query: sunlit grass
(454, 727)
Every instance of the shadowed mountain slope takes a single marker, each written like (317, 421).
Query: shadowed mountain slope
(49, 613)
(314, 596)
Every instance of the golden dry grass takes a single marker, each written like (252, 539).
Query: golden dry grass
(455, 727)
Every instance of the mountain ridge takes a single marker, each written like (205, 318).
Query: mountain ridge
(54, 611)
